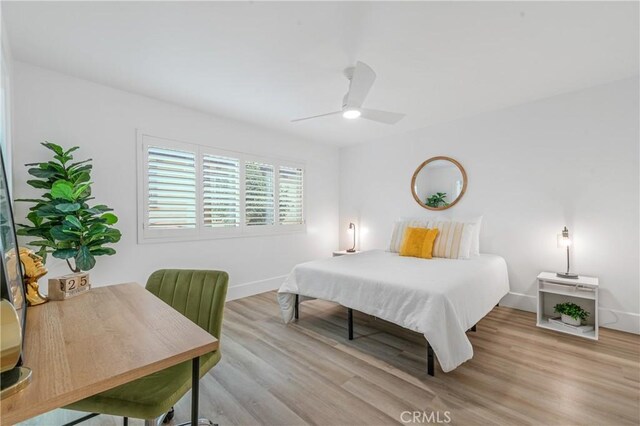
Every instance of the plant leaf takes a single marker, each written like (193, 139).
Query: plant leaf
(58, 234)
(28, 200)
(48, 210)
(68, 207)
(80, 189)
(42, 243)
(62, 189)
(80, 177)
(84, 259)
(70, 150)
(39, 184)
(100, 251)
(72, 221)
(42, 173)
(110, 218)
(53, 147)
(65, 253)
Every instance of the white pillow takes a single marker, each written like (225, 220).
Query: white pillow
(475, 241)
(398, 231)
(453, 240)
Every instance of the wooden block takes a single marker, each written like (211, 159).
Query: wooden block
(67, 286)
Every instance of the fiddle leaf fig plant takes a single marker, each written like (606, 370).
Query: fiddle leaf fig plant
(62, 221)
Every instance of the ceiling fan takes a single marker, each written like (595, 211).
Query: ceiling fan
(361, 78)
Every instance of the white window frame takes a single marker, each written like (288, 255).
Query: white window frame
(201, 232)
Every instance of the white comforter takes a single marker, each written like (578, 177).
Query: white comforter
(440, 298)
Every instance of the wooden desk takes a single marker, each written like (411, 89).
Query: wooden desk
(97, 341)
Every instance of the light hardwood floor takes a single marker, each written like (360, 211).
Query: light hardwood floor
(309, 373)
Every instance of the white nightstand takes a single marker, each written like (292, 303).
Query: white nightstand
(344, 252)
(582, 291)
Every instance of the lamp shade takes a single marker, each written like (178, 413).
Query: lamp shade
(563, 239)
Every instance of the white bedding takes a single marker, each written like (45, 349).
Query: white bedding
(440, 298)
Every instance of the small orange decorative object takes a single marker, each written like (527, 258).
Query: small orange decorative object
(33, 270)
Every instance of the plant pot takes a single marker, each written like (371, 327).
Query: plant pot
(569, 320)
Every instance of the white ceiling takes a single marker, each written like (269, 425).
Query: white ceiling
(268, 63)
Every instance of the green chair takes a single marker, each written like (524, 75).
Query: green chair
(198, 295)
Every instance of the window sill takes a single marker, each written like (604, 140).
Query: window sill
(207, 235)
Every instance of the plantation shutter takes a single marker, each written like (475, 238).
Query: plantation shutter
(290, 196)
(259, 194)
(220, 191)
(171, 188)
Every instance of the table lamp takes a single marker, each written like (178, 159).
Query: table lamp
(352, 229)
(565, 241)
(12, 378)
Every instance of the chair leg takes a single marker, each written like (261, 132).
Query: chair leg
(169, 416)
(81, 419)
(201, 422)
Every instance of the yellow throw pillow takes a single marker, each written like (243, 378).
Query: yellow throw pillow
(418, 242)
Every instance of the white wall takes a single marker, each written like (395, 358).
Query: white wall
(103, 121)
(567, 160)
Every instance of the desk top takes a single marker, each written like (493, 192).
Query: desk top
(96, 341)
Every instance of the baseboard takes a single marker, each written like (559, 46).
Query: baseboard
(524, 302)
(609, 318)
(255, 287)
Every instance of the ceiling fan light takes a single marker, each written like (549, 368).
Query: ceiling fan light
(351, 113)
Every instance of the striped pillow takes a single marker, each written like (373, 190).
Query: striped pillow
(400, 227)
(453, 240)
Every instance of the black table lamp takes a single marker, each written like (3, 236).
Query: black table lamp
(565, 241)
(352, 229)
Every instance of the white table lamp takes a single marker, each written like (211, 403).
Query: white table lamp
(565, 241)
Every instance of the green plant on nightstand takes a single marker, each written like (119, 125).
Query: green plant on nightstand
(571, 313)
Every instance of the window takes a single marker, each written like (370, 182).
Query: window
(290, 195)
(171, 188)
(259, 194)
(190, 192)
(220, 191)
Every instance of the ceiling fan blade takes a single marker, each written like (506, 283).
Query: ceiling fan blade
(316, 116)
(381, 116)
(361, 82)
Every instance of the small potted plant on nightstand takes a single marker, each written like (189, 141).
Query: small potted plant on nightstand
(571, 313)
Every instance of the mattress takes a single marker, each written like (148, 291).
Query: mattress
(440, 298)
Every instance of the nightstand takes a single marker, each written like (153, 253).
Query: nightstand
(582, 291)
(344, 252)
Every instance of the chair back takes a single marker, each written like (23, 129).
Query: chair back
(198, 295)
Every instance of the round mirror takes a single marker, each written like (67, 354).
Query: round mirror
(439, 183)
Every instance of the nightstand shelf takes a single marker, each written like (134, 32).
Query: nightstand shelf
(582, 291)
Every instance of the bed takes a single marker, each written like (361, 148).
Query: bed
(440, 298)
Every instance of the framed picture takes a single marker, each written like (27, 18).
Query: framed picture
(12, 277)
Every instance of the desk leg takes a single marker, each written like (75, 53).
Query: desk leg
(195, 389)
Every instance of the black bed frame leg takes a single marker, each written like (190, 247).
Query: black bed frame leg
(350, 322)
(430, 361)
(473, 328)
(296, 314)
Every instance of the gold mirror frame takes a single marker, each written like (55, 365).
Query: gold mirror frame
(421, 166)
